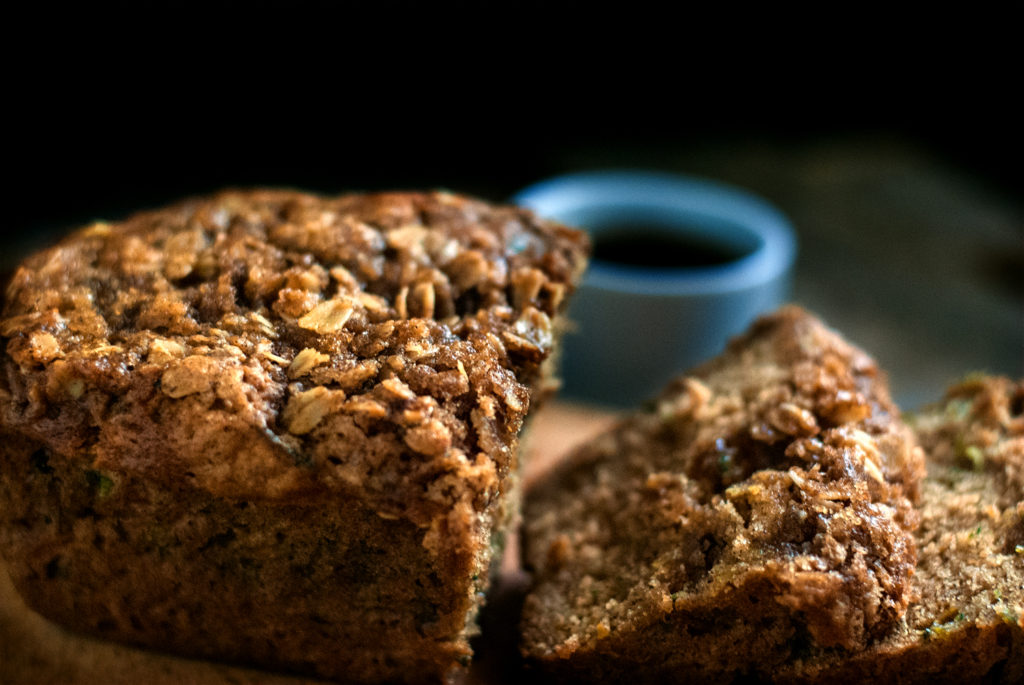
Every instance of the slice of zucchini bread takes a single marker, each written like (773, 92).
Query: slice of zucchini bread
(760, 507)
(275, 428)
(966, 622)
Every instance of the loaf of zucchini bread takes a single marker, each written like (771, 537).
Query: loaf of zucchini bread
(274, 428)
(760, 508)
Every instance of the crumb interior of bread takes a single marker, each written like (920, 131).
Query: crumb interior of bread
(971, 539)
(970, 565)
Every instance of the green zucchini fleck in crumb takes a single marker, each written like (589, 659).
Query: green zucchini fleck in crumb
(1007, 614)
(969, 455)
(101, 484)
(975, 456)
(935, 631)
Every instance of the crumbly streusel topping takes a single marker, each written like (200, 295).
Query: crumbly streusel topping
(385, 342)
(966, 620)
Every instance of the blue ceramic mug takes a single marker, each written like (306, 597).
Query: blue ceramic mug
(680, 265)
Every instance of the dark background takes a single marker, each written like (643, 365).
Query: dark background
(892, 142)
(76, 154)
(119, 106)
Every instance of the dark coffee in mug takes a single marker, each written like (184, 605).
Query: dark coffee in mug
(654, 247)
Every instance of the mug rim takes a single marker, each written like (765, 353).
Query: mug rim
(694, 201)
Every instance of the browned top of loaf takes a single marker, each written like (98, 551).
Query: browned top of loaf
(264, 343)
(762, 500)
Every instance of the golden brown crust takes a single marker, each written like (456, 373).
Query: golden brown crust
(761, 506)
(282, 352)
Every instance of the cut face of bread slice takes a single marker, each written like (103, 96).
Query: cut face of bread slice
(760, 507)
(966, 623)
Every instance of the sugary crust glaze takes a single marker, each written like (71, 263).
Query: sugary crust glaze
(761, 506)
(267, 409)
(966, 622)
